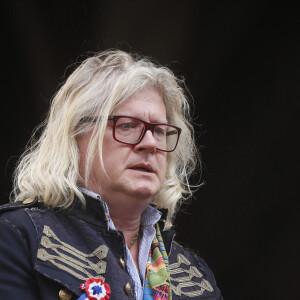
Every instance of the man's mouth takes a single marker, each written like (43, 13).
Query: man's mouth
(143, 168)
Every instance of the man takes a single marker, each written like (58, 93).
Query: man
(95, 195)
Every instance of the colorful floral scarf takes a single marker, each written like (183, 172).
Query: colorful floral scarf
(157, 282)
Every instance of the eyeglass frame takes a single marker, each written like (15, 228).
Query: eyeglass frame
(147, 126)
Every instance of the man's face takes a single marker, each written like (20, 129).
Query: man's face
(124, 164)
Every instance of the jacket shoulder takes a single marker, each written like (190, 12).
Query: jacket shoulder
(14, 214)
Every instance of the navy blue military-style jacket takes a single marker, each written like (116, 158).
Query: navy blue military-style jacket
(46, 254)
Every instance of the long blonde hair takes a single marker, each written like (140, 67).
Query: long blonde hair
(49, 168)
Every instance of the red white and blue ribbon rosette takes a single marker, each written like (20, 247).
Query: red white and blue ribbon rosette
(95, 289)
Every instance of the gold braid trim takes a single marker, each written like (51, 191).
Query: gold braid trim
(185, 281)
(70, 259)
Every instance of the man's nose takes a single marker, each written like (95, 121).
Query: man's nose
(148, 142)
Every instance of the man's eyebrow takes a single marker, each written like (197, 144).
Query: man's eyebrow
(88, 119)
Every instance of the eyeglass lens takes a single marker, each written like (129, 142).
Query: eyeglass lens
(130, 130)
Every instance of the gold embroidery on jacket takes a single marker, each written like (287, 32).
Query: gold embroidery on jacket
(185, 278)
(71, 260)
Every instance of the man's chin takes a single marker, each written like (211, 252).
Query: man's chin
(144, 192)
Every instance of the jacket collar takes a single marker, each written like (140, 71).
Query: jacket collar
(95, 212)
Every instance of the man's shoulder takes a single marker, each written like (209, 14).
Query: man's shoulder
(190, 274)
(14, 213)
(16, 227)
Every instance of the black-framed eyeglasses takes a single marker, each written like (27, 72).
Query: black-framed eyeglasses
(131, 131)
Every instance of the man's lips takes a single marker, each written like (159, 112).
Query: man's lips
(143, 167)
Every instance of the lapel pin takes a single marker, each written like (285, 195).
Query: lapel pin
(95, 289)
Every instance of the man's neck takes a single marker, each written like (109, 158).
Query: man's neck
(126, 224)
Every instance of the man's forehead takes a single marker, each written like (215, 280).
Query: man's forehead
(146, 104)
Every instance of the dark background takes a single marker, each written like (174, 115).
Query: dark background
(241, 64)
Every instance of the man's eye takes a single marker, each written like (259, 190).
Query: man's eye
(126, 126)
(160, 131)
